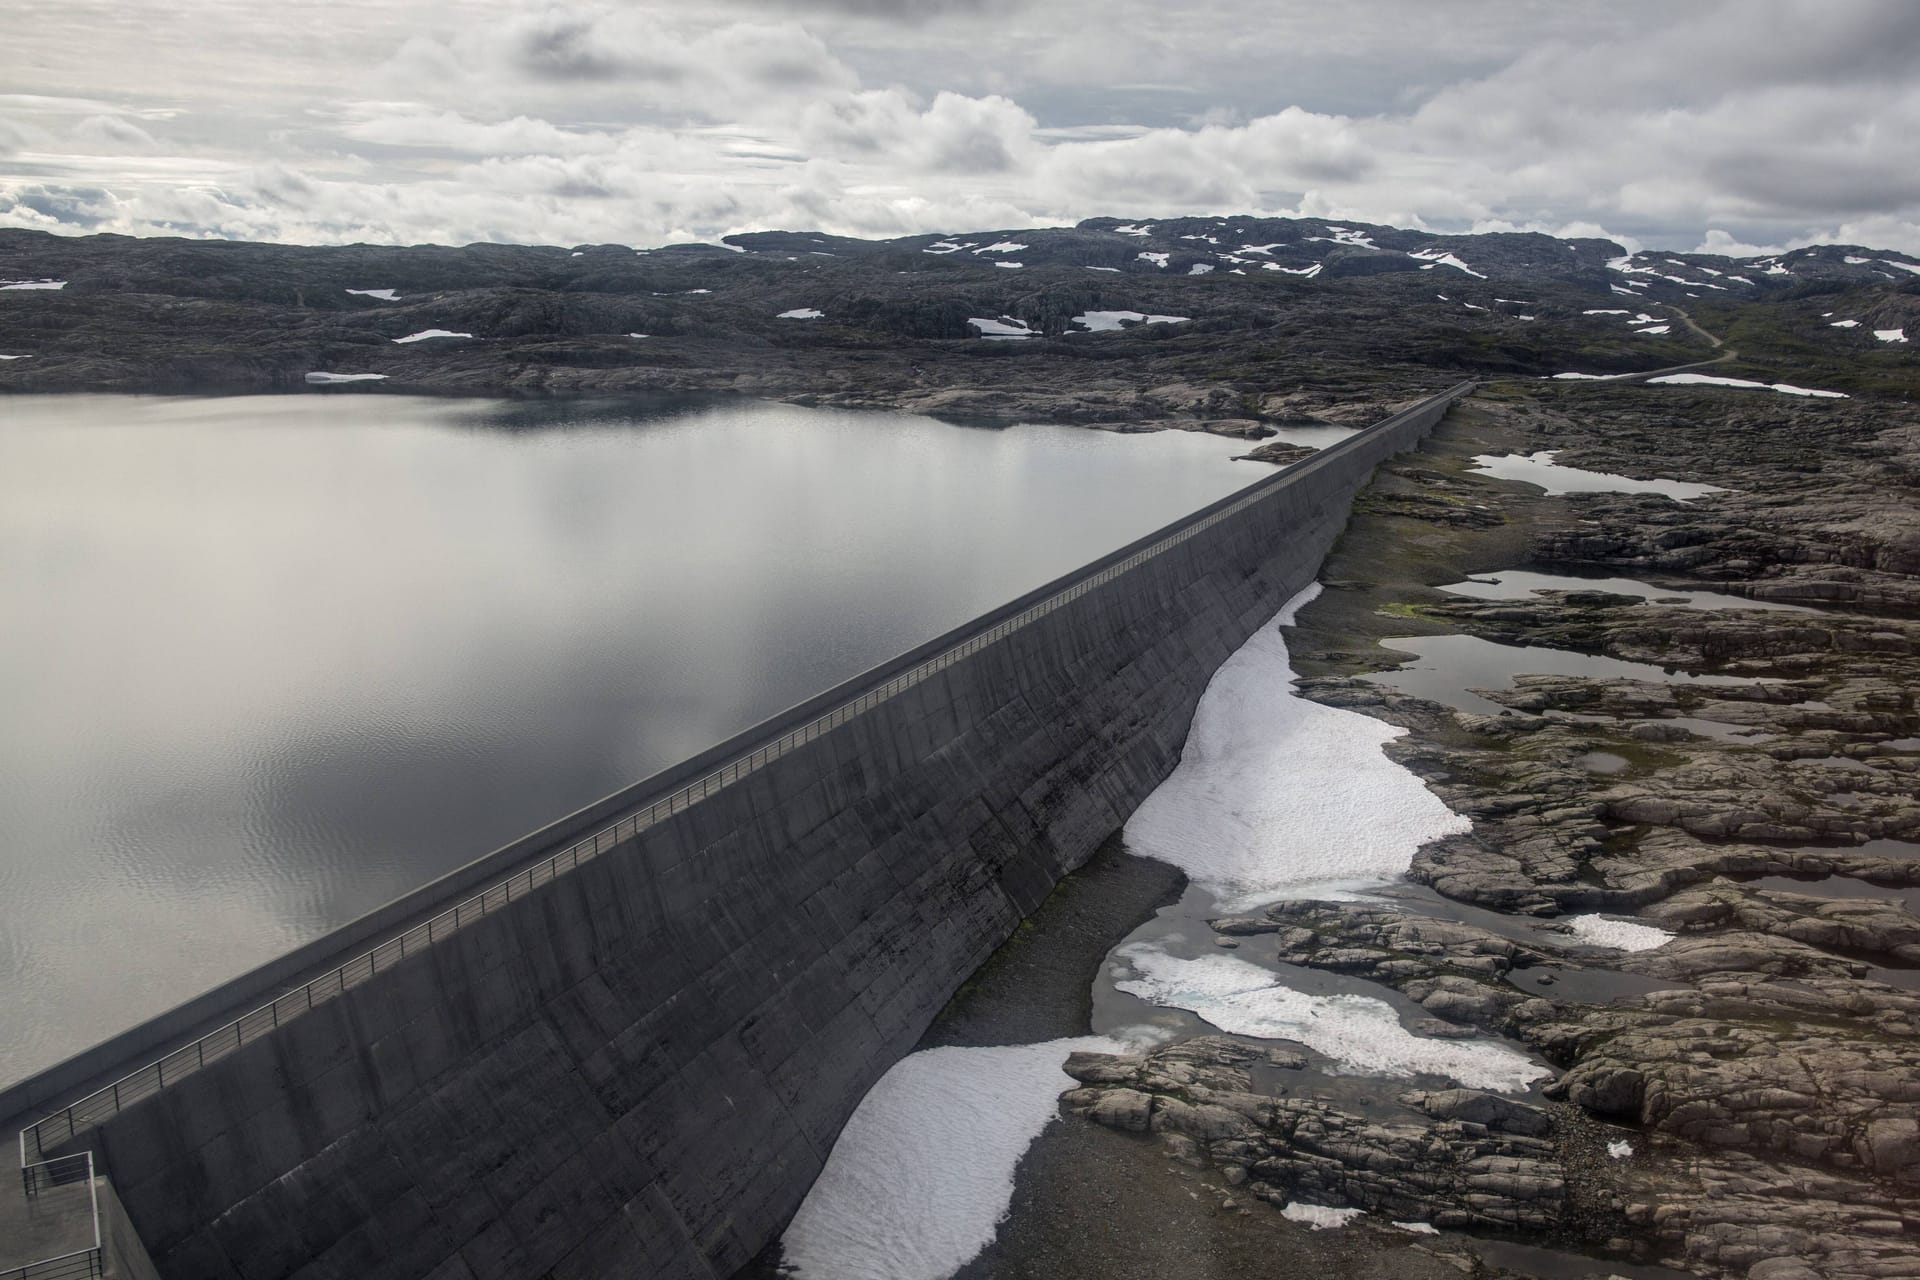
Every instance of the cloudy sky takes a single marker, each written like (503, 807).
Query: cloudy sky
(1668, 123)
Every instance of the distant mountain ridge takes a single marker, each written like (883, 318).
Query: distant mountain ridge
(809, 316)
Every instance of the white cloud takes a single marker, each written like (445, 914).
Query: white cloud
(1743, 122)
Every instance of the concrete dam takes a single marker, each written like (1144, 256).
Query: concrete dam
(625, 1045)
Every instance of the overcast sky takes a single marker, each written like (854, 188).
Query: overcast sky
(1670, 123)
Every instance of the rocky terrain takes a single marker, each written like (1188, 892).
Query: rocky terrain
(1739, 1098)
(1742, 1096)
(1228, 322)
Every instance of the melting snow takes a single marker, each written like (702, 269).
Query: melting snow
(1261, 248)
(1890, 335)
(16, 357)
(1109, 321)
(923, 1171)
(1131, 230)
(1002, 246)
(384, 295)
(1157, 259)
(637, 335)
(1004, 327)
(1266, 772)
(1200, 268)
(1318, 1216)
(1655, 331)
(321, 379)
(1604, 311)
(1844, 324)
(1441, 258)
(32, 284)
(1308, 272)
(1620, 1150)
(802, 313)
(1112, 269)
(1361, 1035)
(1856, 262)
(946, 246)
(1580, 377)
(1419, 1228)
(425, 334)
(1621, 935)
(1012, 266)
(1708, 380)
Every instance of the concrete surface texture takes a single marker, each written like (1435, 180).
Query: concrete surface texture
(638, 1069)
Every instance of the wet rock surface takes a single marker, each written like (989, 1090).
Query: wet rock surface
(1764, 1077)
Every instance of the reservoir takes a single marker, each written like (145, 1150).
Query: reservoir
(268, 662)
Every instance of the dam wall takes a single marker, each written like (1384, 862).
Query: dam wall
(633, 1061)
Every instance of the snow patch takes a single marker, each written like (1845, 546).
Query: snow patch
(1115, 270)
(1580, 377)
(16, 357)
(1605, 311)
(1157, 259)
(1004, 327)
(1655, 331)
(1000, 246)
(1200, 268)
(1621, 935)
(326, 379)
(638, 335)
(32, 284)
(923, 1171)
(1361, 1035)
(1844, 324)
(1011, 266)
(1419, 1228)
(1441, 258)
(1308, 272)
(1890, 335)
(1708, 380)
(1111, 321)
(946, 246)
(1131, 230)
(1318, 1216)
(802, 313)
(426, 334)
(1620, 1150)
(1265, 773)
(384, 295)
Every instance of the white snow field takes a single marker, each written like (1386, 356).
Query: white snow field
(923, 1172)
(1621, 935)
(1266, 776)
(1318, 1216)
(1004, 327)
(323, 379)
(428, 334)
(1361, 1035)
(1885, 335)
(1708, 380)
(1113, 321)
(384, 295)
(32, 284)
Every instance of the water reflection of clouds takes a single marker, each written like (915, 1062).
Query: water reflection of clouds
(269, 661)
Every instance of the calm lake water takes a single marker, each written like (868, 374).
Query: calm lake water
(268, 662)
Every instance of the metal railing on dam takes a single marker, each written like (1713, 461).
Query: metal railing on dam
(672, 792)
